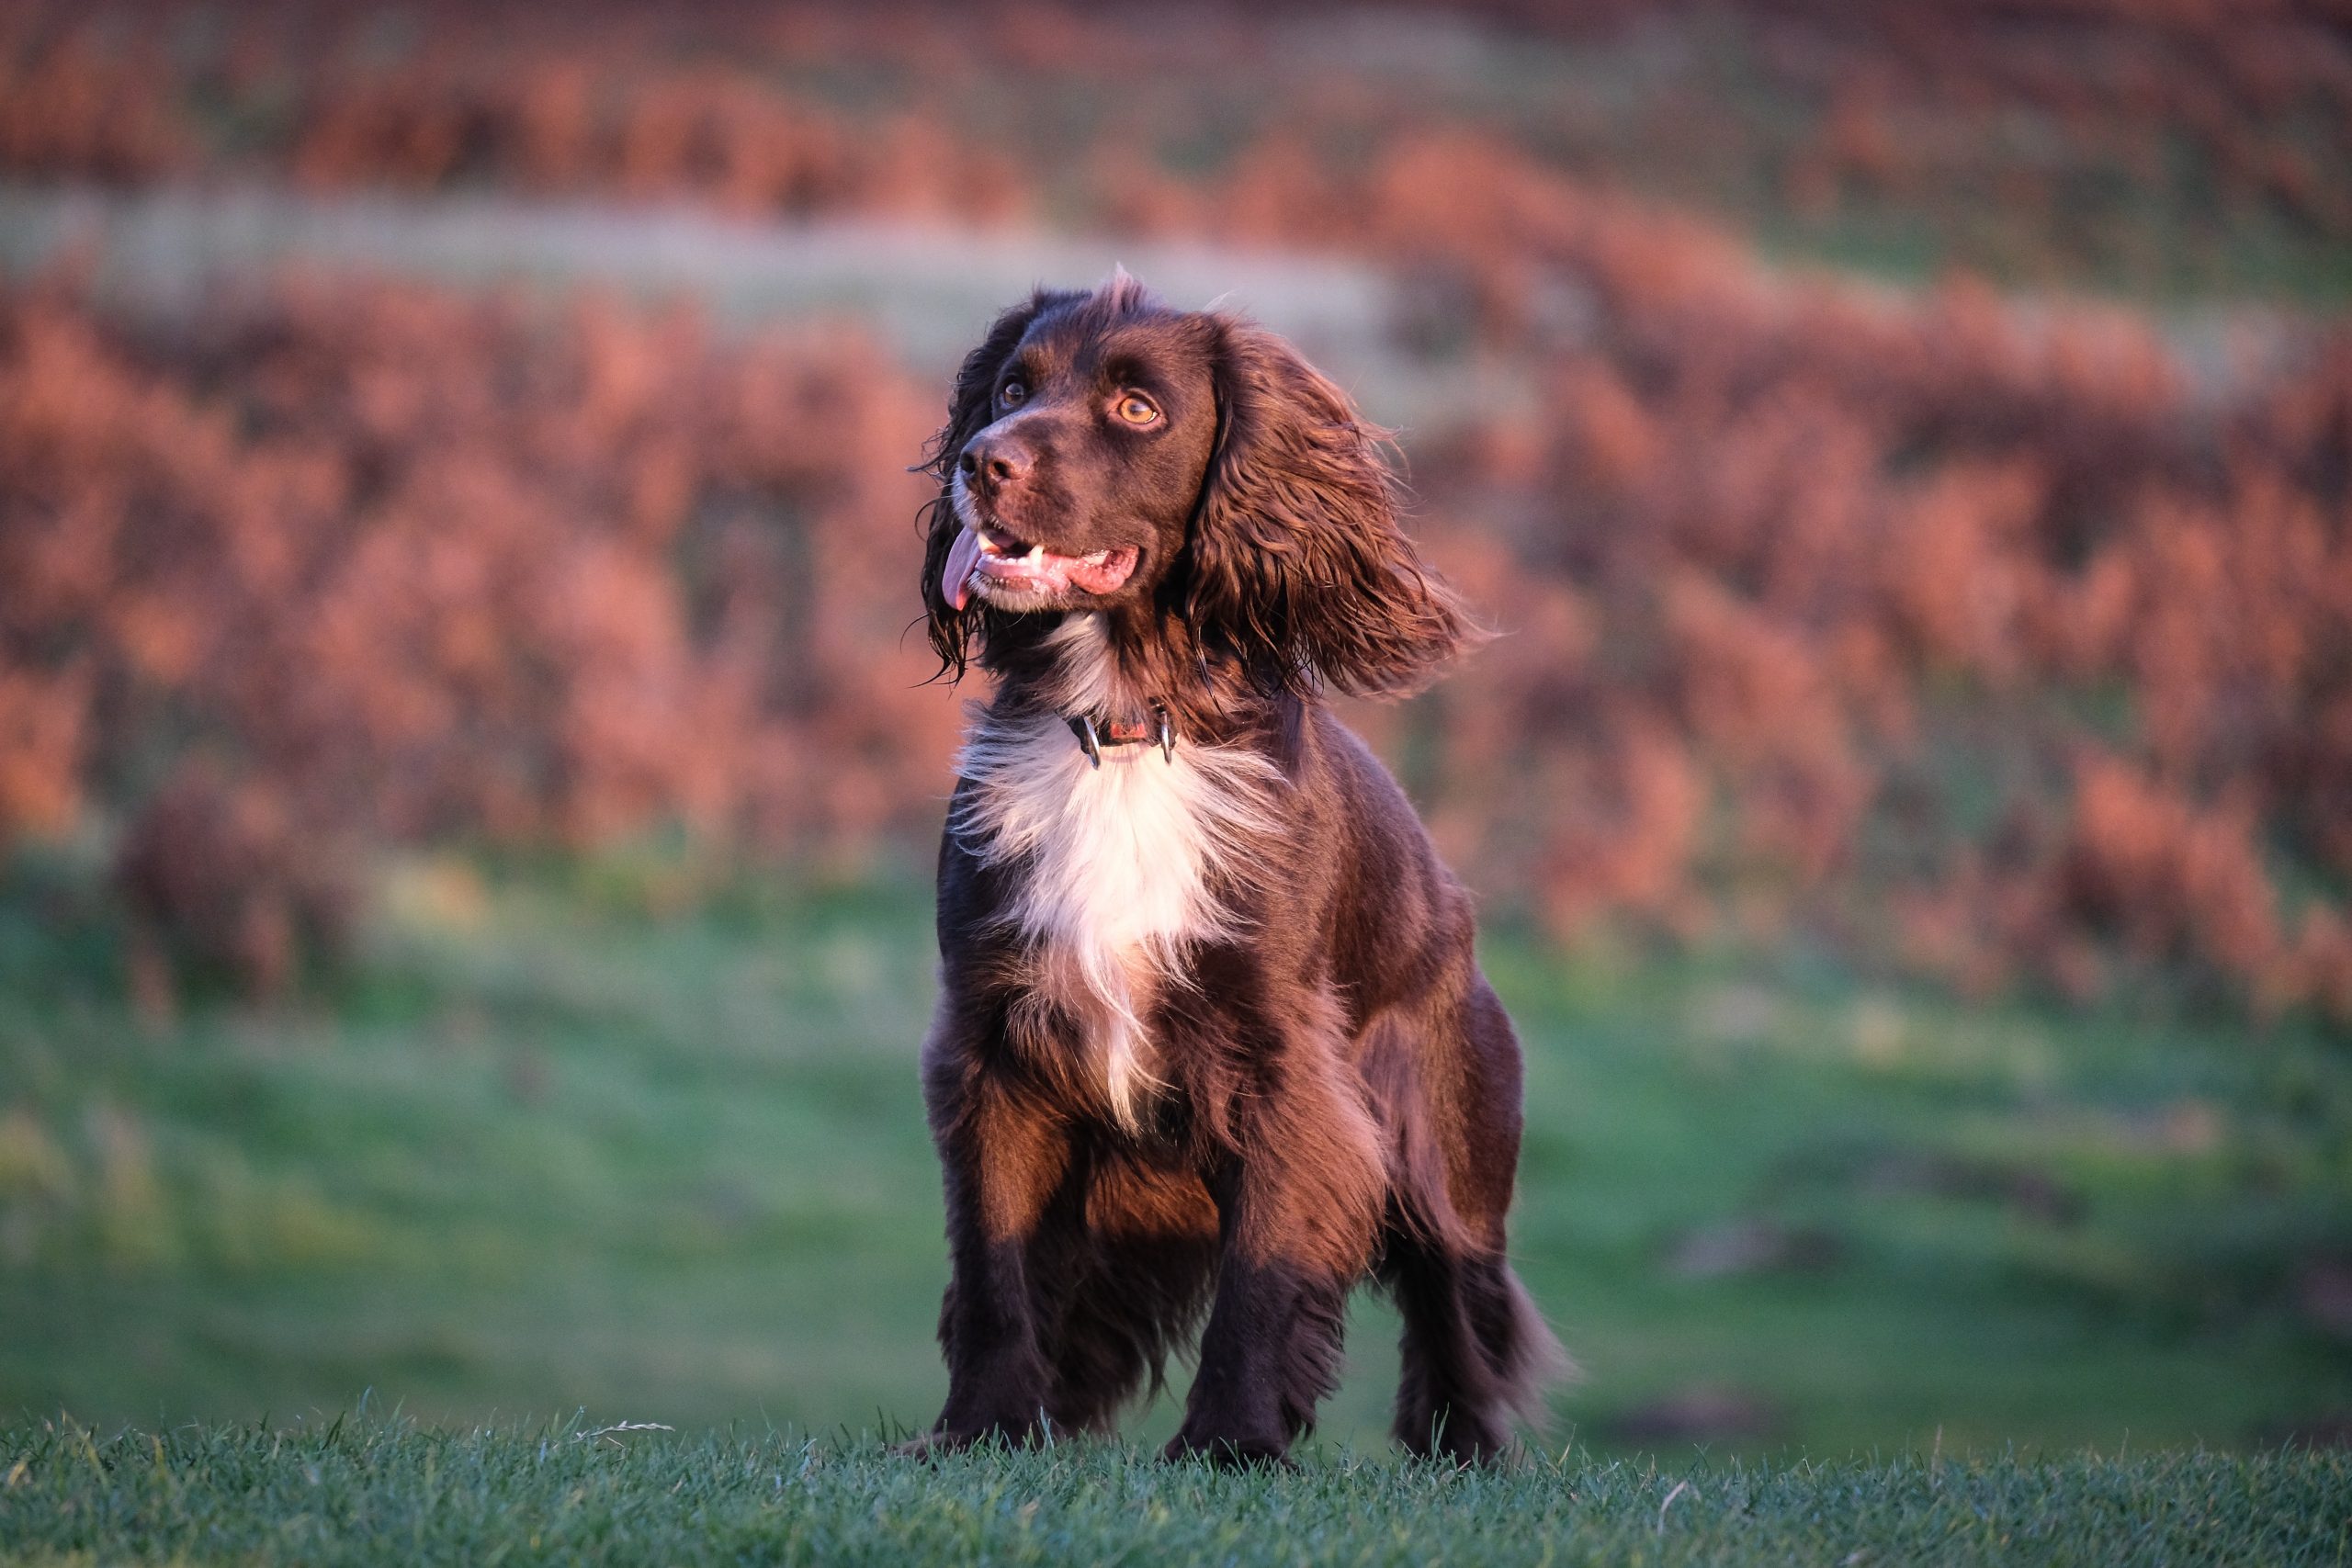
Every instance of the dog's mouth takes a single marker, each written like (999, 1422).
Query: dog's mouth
(992, 561)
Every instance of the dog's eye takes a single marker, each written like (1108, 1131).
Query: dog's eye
(1136, 409)
(1012, 391)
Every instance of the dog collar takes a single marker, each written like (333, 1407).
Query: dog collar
(1157, 730)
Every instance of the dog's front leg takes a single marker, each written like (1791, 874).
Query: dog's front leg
(1298, 1200)
(1003, 1157)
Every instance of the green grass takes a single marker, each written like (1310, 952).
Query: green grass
(376, 1492)
(589, 1139)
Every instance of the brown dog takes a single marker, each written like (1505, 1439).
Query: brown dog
(1212, 1036)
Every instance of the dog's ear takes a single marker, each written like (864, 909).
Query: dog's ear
(1298, 564)
(968, 414)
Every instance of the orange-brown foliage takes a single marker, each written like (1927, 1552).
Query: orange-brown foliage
(2119, 136)
(1780, 595)
(396, 565)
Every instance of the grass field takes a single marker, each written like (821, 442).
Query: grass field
(372, 1492)
(597, 1139)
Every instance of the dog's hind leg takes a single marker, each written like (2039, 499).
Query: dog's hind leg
(1138, 1276)
(1476, 1351)
(1136, 1305)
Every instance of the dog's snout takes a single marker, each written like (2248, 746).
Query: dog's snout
(995, 461)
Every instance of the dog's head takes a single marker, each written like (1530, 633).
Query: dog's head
(1105, 452)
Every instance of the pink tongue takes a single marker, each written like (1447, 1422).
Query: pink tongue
(956, 579)
(1103, 576)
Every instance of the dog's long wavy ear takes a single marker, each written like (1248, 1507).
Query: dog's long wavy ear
(951, 629)
(1299, 565)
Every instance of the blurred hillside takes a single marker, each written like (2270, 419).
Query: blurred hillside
(2142, 144)
(639, 1134)
(2003, 639)
(466, 768)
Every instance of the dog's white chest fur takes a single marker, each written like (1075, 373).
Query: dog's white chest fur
(1117, 867)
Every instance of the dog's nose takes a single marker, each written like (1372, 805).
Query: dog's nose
(993, 462)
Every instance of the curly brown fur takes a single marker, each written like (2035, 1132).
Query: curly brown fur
(1212, 1047)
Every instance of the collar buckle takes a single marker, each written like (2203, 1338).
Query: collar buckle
(1092, 737)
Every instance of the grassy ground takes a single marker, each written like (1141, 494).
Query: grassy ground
(583, 1139)
(377, 1492)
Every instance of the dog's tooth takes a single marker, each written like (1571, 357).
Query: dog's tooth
(1036, 556)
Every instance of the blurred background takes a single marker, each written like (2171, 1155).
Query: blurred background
(468, 782)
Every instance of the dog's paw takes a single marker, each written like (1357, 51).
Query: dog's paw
(1230, 1454)
(930, 1445)
(943, 1440)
